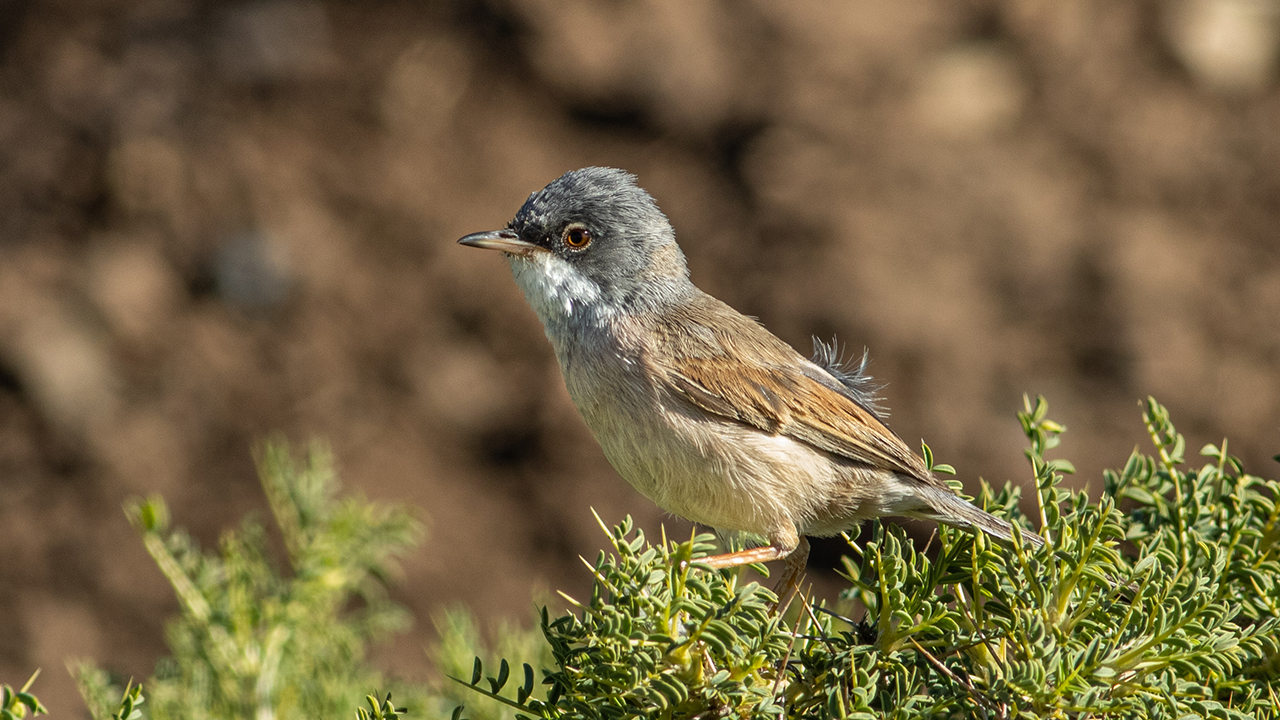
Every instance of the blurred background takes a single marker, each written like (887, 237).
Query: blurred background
(222, 220)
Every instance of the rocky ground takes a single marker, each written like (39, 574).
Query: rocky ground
(222, 220)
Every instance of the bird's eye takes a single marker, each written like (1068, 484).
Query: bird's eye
(577, 237)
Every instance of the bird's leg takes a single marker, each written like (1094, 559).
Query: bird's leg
(787, 545)
(746, 557)
(793, 570)
(782, 543)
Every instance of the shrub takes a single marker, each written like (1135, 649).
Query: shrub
(1159, 599)
(252, 641)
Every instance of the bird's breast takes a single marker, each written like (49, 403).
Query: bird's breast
(705, 468)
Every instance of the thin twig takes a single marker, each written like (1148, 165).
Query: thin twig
(983, 703)
(929, 543)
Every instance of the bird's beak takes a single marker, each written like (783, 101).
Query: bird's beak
(505, 240)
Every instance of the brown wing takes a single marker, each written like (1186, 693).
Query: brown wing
(737, 369)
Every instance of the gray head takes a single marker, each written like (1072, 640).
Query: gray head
(591, 240)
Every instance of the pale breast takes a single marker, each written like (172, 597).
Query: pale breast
(707, 469)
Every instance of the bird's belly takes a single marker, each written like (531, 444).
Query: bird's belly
(710, 470)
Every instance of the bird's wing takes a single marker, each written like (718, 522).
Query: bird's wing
(745, 373)
(784, 401)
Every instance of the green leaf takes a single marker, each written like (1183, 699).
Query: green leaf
(504, 673)
(526, 689)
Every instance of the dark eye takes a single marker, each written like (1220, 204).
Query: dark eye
(577, 237)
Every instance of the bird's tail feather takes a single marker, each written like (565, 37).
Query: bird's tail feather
(953, 510)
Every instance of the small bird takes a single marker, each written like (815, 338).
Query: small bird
(699, 407)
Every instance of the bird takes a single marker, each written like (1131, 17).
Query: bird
(699, 407)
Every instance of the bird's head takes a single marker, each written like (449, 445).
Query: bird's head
(591, 243)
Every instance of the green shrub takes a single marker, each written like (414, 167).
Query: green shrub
(252, 641)
(1159, 599)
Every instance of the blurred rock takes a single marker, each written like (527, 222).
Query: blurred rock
(133, 286)
(424, 86)
(971, 91)
(156, 82)
(836, 43)
(61, 361)
(274, 40)
(463, 386)
(1228, 45)
(692, 66)
(80, 80)
(253, 271)
(148, 177)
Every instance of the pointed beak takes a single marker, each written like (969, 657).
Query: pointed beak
(505, 240)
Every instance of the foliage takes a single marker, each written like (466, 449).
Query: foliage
(461, 640)
(129, 703)
(254, 642)
(15, 704)
(379, 710)
(1159, 600)
(97, 690)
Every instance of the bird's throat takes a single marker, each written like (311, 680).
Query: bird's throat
(564, 299)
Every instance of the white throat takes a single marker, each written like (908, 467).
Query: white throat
(563, 298)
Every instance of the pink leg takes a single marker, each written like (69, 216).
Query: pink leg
(786, 544)
(793, 570)
(746, 557)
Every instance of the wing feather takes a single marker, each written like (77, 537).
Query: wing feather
(807, 411)
(746, 374)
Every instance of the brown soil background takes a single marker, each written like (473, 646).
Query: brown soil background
(224, 220)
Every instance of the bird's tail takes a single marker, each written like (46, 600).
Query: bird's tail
(951, 509)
